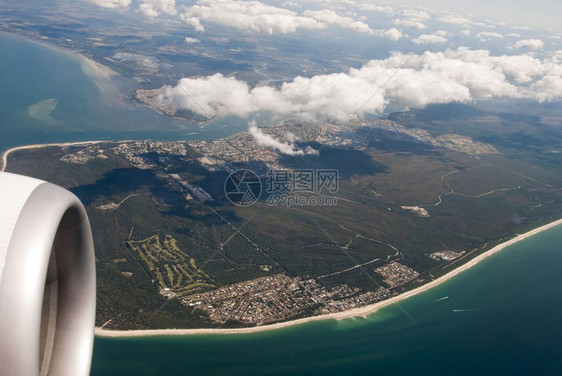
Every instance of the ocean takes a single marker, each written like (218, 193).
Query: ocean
(500, 317)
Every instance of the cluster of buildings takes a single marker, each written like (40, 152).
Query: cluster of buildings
(134, 152)
(446, 255)
(395, 274)
(84, 154)
(277, 298)
(155, 99)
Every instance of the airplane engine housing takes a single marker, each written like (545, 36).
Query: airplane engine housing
(47, 280)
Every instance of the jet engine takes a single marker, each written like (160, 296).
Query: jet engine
(47, 280)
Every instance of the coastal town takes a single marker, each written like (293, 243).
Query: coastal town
(278, 298)
(245, 151)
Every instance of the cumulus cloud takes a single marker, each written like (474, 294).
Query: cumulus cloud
(190, 40)
(459, 75)
(112, 4)
(410, 22)
(250, 16)
(392, 34)
(154, 8)
(258, 17)
(429, 39)
(329, 17)
(412, 18)
(418, 14)
(486, 35)
(375, 8)
(287, 147)
(455, 19)
(193, 22)
(533, 44)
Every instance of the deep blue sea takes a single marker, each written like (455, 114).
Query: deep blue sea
(501, 317)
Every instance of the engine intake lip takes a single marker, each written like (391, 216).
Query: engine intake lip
(47, 280)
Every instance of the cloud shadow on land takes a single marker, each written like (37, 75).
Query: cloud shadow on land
(346, 160)
(122, 181)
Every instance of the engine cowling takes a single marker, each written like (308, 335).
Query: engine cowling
(47, 280)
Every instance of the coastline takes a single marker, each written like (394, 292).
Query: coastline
(356, 312)
(103, 71)
(6, 153)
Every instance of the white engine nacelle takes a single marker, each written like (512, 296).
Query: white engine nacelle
(47, 280)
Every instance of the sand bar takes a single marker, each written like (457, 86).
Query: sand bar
(356, 312)
(6, 153)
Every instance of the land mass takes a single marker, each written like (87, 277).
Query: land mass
(174, 251)
(355, 312)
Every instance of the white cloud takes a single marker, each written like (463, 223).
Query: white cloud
(249, 16)
(190, 40)
(429, 39)
(410, 22)
(442, 77)
(487, 35)
(413, 13)
(392, 34)
(466, 32)
(412, 18)
(513, 35)
(214, 95)
(533, 44)
(375, 8)
(111, 3)
(154, 8)
(330, 17)
(258, 17)
(288, 147)
(455, 19)
(193, 22)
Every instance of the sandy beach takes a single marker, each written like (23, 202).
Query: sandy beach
(6, 153)
(356, 312)
(101, 71)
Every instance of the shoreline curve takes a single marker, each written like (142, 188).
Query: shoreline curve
(6, 153)
(355, 312)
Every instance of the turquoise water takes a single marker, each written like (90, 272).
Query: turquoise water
(45, 96)
(501, 317)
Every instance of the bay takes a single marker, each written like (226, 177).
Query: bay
(46, 96)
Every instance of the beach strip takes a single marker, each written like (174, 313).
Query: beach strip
(6, 153)
(356, 312)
